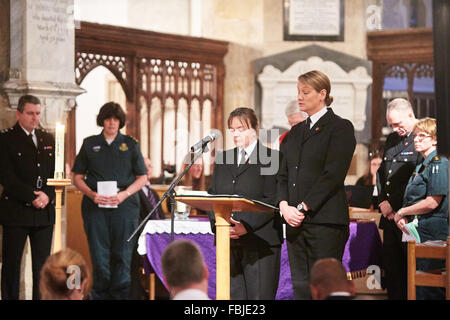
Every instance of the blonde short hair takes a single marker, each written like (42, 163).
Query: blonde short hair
(427, 125)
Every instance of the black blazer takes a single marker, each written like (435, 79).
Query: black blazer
(146, 207)
(399, 161)
(22, 165)
(313, 168)
(256, 179)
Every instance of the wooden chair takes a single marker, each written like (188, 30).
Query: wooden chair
(432, 278)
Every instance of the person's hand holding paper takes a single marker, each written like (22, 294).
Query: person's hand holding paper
(107, 191)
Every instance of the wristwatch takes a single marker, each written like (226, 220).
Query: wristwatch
(399, 212)
(301, 208)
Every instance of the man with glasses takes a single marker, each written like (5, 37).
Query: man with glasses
(399, 160)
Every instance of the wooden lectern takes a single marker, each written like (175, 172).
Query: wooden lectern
(222, 207)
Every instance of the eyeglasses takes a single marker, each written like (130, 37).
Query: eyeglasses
(422, 136)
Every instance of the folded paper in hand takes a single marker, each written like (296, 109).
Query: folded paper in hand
(413, 234)
(107, 188)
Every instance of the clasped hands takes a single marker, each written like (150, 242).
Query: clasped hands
(291, 214)
(41, 201)
(389, 213)
(109, 200)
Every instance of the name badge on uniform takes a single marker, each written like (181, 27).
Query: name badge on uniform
(96, 148)
(123, 147)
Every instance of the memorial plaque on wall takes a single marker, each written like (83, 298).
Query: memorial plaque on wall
(312, 20)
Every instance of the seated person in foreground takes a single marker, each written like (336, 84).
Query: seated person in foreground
(328, 281)
(65, 276)
(185, 271)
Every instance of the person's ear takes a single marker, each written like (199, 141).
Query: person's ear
(351, 287)
(314, 292)
(206, 271)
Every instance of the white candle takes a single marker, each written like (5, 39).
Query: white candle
(59, 151)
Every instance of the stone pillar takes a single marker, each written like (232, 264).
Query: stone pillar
(42, 48)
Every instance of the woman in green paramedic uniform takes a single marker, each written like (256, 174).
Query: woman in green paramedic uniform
(426, 198)
(110, 156)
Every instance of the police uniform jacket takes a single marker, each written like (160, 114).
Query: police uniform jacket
(25, 168)
(313, 168)
(399, 161)
(256, 180)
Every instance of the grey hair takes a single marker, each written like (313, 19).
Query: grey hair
(399, 104)
(293, 108)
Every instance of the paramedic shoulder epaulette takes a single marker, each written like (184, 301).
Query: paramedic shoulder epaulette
(436, 158)
(137, 141)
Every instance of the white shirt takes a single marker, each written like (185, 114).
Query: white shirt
(248, 151)
(340, 293)
(33, 135)
(191, 294)
(316, 116)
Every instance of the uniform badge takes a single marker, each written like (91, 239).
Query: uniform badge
(96, 148)
(48, 147)
(123, 147)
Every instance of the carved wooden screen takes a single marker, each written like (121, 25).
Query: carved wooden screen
(176, 101)
(402, 54)
(170, 82)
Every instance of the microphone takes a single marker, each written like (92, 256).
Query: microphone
(210, 137)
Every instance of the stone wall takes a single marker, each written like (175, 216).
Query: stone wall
(7, 116)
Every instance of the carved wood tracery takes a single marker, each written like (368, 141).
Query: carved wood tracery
(149, 66)
(399, 54)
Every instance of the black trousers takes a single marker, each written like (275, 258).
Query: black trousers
(14, 239)
(254, 272)
(308, 244)
(394, 256)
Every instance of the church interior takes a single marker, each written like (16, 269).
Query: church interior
(179, 67)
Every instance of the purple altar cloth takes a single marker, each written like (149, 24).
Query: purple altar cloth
(363, 249)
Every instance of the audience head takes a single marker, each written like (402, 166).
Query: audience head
(184, 267)
(328, 276)
(243, 125)
(29, 112)
(65, 276)
(425, 139)
(294, 114)
(400, 116)
(314, 89)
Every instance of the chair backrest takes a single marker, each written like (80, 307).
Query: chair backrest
(432, 278)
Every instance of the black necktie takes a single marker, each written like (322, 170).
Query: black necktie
(243, 155)
(308, 123)
(30, 135)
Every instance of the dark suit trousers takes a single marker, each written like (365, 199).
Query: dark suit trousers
(394, 255)
(254, 272)
(311, 243)
(14, 239)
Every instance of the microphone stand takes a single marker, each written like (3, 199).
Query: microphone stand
(171, 194)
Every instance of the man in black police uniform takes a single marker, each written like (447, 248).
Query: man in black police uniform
(26, 204)
(110, 156)
(399, 160)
